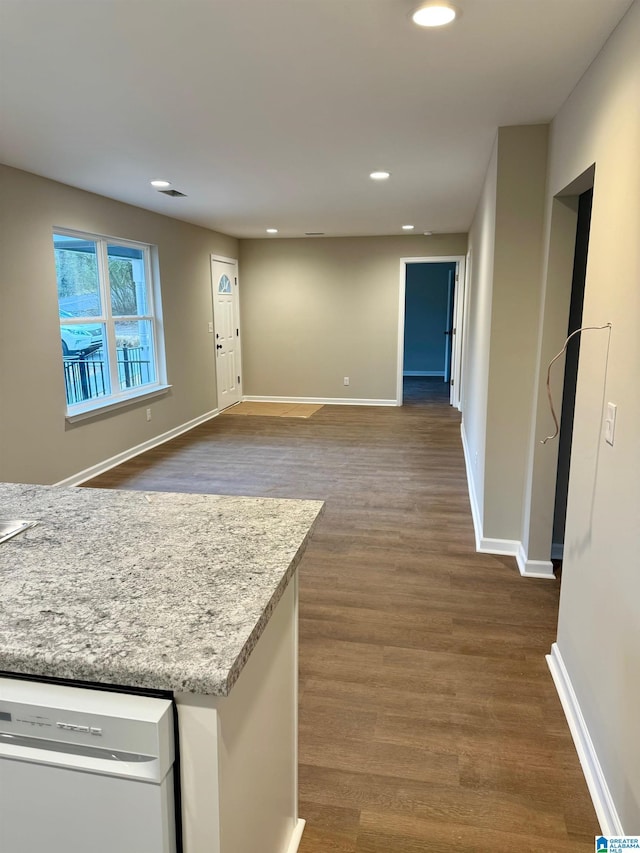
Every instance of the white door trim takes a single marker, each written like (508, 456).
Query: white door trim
(236, 309)
(460, 273)
(448, 343)
(459, 292)
(460, 313)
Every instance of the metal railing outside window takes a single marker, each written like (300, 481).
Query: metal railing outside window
(86, 377)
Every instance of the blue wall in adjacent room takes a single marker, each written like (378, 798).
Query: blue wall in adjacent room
(426, 317)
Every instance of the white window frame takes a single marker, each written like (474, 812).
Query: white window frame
(119, 398)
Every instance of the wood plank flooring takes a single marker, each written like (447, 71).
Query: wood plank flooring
(274, 410)
(428, 718)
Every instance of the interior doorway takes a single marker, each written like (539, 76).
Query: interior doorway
(226, 327)
(570, 380)
(430, 327)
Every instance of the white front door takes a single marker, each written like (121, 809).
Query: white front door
(226, 320)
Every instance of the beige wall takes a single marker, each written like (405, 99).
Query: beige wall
(477, 332)
(599, 621)
(36, 443)
(316, 310)
(599, 618)
(505, 247)
(515, 305)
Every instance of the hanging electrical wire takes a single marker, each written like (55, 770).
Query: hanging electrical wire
(551, 363)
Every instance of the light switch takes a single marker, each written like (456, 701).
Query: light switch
(610, 423)
(210, 328)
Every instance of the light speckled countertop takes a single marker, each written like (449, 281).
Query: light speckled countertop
(144, 589)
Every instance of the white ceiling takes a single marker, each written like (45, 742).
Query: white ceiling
(273, 112)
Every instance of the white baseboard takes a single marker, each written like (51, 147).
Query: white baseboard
(423, 373)
(603, 803)
(325, 401)
(484, 545)
(534, 568)
(119, 458)
(473, 500)
(296, 838)
(557, 550)
(503, 547)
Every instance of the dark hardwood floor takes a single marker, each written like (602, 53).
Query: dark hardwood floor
(428, 718)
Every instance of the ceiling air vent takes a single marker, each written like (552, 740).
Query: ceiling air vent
(173, 193)
(314, 233)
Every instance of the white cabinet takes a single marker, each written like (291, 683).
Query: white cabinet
(238, 754)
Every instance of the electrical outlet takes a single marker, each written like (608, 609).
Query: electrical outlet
(148, 414)
(346, 380)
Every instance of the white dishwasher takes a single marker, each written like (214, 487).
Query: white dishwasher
(85, 770)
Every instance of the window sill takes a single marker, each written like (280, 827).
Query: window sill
(96, 407)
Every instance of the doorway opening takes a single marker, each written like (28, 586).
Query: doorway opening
(584, 204)
(431, 303)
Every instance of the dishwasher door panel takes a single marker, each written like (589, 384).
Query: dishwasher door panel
(63, 810)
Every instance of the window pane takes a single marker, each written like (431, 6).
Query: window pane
(86, 376)
(77, 274)
(106, 324)
(127, 281)
(80, 339)
(134, 346)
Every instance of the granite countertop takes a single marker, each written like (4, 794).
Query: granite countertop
(144, 589)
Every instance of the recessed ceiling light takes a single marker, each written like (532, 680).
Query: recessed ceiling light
(408, 227)
(160, 184)
(380, 176)
(434, 14)
(427, 233)
(272, 230)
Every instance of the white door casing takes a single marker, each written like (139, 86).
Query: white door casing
(458, 315)
(226, 323)
(449, 331)
(458, 325)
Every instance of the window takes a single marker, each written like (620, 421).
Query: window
(224, 285)
(108, 328)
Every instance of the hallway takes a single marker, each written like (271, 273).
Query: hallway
(428, 718)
